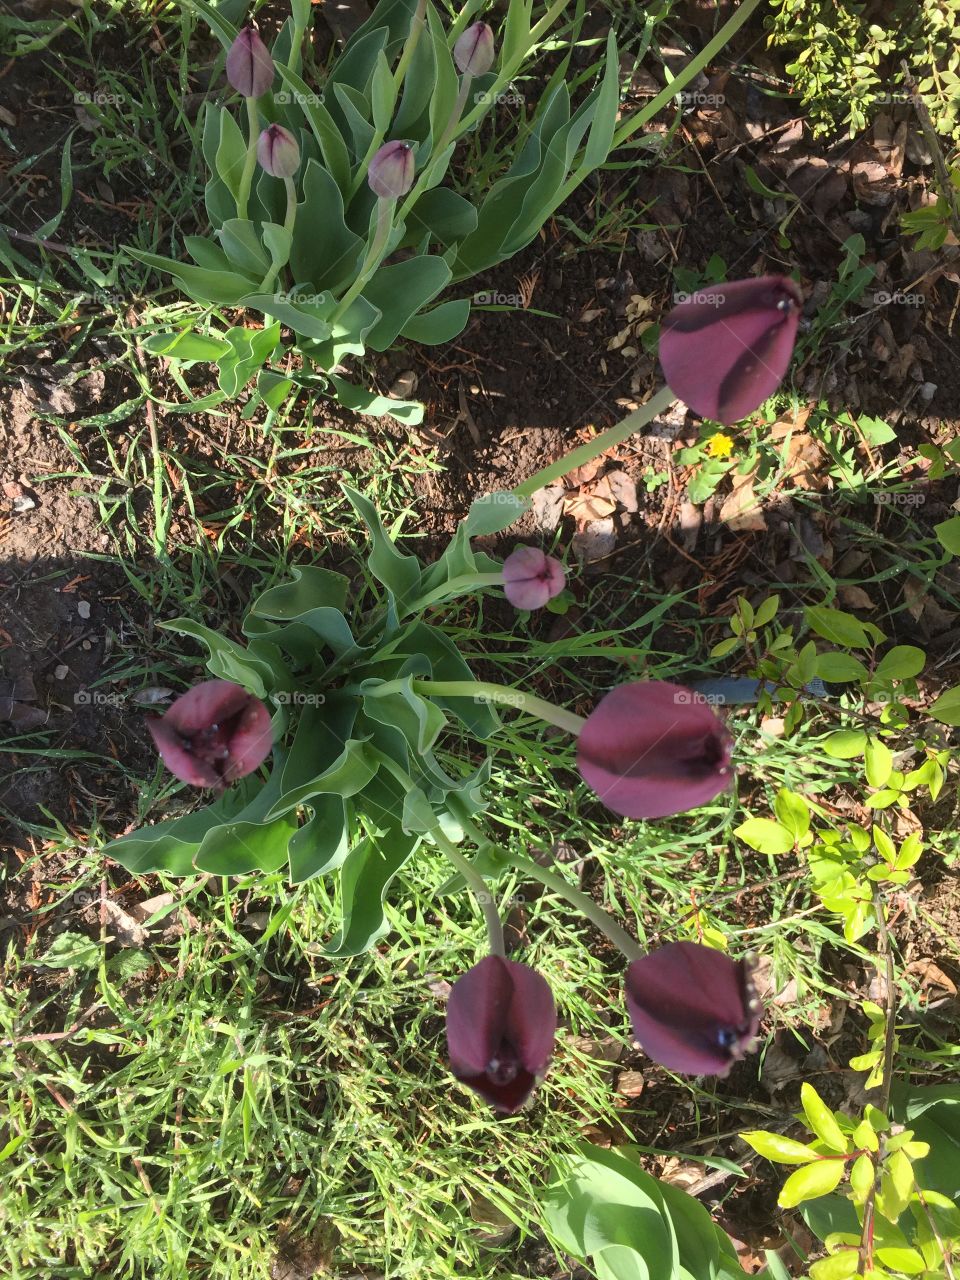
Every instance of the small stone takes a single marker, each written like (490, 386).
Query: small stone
(928, 390)
(83, 608)
(630, 1083)
(404, 385)
(61, 671)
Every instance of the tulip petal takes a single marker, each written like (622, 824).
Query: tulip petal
(249, 64)
(727, 349)
(692, 1008)
(250, 742)
(207, 703)
(651, 749)
(477, 1012)
(532, 1017)
(179, 760)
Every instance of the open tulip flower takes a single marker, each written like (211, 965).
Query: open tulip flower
(652, 749)
(213, 734)
(531, 578)
(501, 1025)
(693, 1009)
(726, 348)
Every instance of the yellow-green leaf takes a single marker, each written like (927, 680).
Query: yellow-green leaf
(776, 1147)
(821, 1119)
(811, 1181)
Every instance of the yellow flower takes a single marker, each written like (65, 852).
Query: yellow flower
(720, 445)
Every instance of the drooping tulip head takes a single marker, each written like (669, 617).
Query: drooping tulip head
(213, 734)
(390, 174)
(474, 52)
(249, 65)
(278, 152)
(531, 578)
(501, 1024)
(726, 348)
(693, 1009)
(652, 748)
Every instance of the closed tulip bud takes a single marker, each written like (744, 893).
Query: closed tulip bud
(213, 734)
(278, 152)
(249, 65)
(501, 1024)
(653, 749)
(726, 348)
(531, 578)
(474, 51)
(693, 1009)
(390, 174)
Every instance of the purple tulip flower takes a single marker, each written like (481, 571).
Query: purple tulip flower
(652, 749)
(390, 174)
(531, 578)
(249, 65)
(213, 734)
(726, 348)
(278, 152)
(693, 1009)
(501, 1024)
(474, 52)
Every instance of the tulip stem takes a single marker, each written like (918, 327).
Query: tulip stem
(585, 453)
(484, 691)
(250, 161)
(592, 910)
(381, 235)
(478, 887)
(460, 586)
(291, 217)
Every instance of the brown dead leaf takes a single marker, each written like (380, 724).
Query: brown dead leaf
(805, 462)
(856, 598)
(741, 509)
(931, 975)
(127, 931)
(588, 505)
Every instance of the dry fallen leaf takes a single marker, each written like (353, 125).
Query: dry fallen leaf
(741, 509)
(855, 597)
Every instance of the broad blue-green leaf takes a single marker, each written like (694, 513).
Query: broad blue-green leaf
(229, 660)
(348, 775)
(309, 319)
(328, 260)
(494, 512)
(273, 389)
(446, 84)
(323, 842)
(249, 350)
(399, 291)
(383, 94)
(605, 111)
(305, 600)
(442, 324)
(186, 345)
(170, 846)
(226, 287)
(364, 879)
(620, 1262)
(360, 400)
(239, 847)
(398, 572)
(444, 215)
(447, 663)
(336, 157)
(207, 254)
(413, 715)
(277, 240)
(355, 109)
(231, 154)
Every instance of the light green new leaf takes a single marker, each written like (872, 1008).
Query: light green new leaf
(765, 835)
(821, 1119)
(778, 1148)
(808, 1183)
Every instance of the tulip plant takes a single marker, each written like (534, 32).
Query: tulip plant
(343, 734)
(328, 213)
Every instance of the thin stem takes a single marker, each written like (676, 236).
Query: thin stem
(592, 910)
(385, 207)
(502, 695)
(291, 217)
(865, 1262)
(410, 46)
(250, 160)
(296, 47)
(585, 453)
(478, 888)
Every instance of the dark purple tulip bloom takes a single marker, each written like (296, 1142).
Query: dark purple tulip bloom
(531, 578)
(390, 174)
(501, 1024)
(249, 65)
(653, 749)
(278, 152)
(726, 348)
(213, 734)
(693, 1009)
